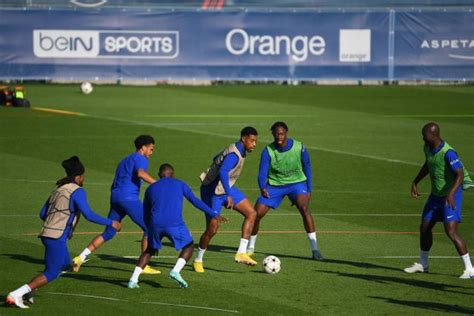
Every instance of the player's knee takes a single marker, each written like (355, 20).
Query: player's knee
(109, 233)
(51, 274)
(452, 234)
(211, 231)
(150, 251)
(251, 216)
(425, 229)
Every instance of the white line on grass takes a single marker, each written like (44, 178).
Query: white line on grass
(88, 296)
(316, 191)
(155, 303)
(133, 122)
(415, 257)
(196, 307)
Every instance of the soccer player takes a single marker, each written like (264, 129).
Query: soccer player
(448, 178)
(285, 170)
(60, 214)
(125, 199)
(163, 208)
(218, 189)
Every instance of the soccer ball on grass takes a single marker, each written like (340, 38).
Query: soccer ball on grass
(271, 264)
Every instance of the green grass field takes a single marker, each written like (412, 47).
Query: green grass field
(365, 145)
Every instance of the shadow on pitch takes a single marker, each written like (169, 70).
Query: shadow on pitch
(431, 306)
(100, 279)
(410, 282)
(360, 264)
(24, 258)
(133, 261)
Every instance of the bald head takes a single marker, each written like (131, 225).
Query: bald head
(431, 134)
(432, 128)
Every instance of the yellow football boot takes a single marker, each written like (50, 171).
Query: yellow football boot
(198, 267)
(245, 259)
(150, 270)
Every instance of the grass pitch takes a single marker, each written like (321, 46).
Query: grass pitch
(365, 145)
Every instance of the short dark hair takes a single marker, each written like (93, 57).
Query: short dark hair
(248, 130)
(163, 168)
(278, 125)
(143, 140)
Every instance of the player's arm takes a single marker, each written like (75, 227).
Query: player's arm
(141, 167)
(44, 210)
(263, 169)
(421, 174)
(306, 162)
(197, 203)
(229, 163)
(456, 167)
(145, 176)
(80, 202)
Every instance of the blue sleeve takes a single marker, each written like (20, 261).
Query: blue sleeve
(197, 203)
(263, 169)
(229, 163)
(452, 159)
(44, 210)
(307, 167)
(80, 202)
(140, 163)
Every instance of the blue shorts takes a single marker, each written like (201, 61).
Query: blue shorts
(216, 202)
(179, 235)
(436, 209)
(56, 257)
(118, 210)
(277, 193)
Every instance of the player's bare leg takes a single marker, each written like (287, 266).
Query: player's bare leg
(452, 230)
(426, 241)
(261, 210)
(302, 204)
(175, 274)
(212, 226)
(246, 209)
(143, 261)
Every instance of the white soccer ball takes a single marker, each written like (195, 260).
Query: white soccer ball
(86, 87)
(271, 264)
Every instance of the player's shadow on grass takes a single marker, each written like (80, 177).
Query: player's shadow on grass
(221, 248)
(431, 306)
(25, 258)
(101, 279)
(155, 262)
(360, 264)
(410, 282)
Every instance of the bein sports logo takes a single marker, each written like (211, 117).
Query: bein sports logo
(105, 44)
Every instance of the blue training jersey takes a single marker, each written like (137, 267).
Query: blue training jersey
(126, 185)
(163, 203)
